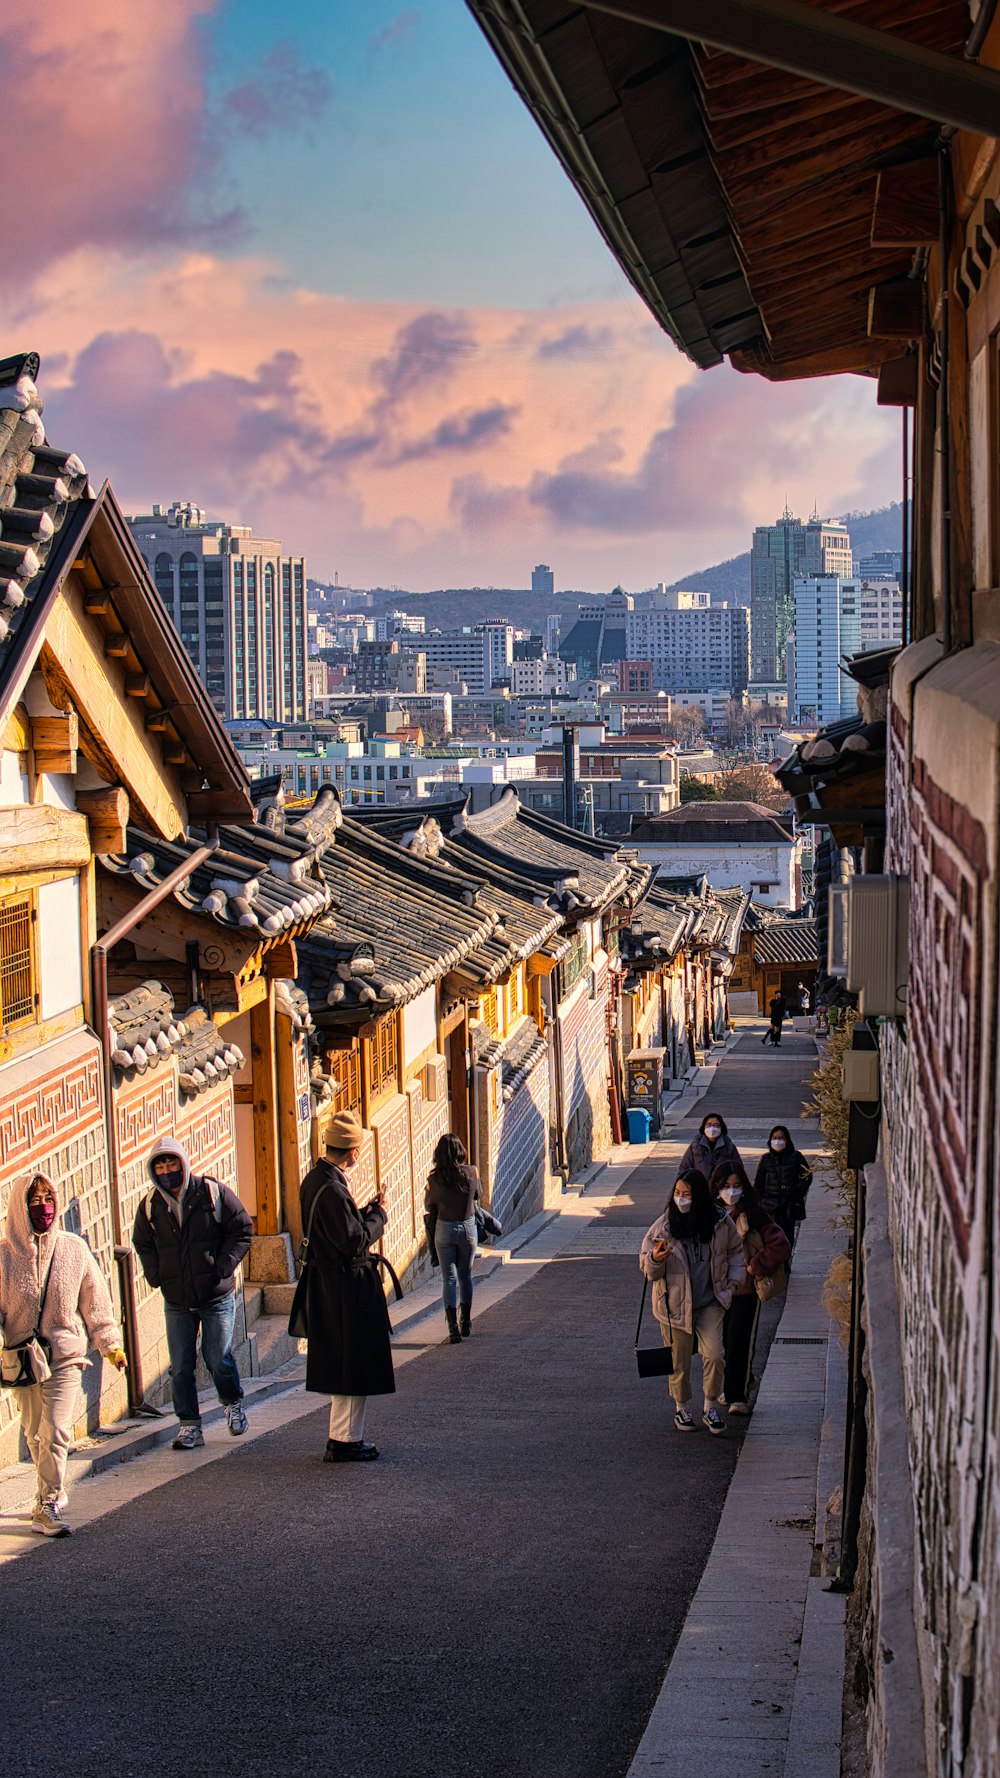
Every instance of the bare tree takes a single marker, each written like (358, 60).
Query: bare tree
(752, 782)
(687, 722)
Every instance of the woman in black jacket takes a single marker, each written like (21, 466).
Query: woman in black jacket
(782, 1181)
(349, 1355)
(450, 1216)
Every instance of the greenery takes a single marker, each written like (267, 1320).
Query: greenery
(832, 1109)
(693, 790)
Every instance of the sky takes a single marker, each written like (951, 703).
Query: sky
(315, 268)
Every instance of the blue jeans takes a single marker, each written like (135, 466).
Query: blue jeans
(217, 1321)
(456, 1249)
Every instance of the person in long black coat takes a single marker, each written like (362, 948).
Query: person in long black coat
(349, 1353)
(782, 1181)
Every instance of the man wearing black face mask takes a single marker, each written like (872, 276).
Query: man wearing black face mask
(191, 1233)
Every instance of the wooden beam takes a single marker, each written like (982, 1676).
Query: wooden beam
(288, 1126)
(831, 49)
(137, 685)
(106, 810)
(896, 310)
(95, 604)
(17, 731)
(35, 837)
(265, 1129)
(116, 647)
(906, 212)
(156, 721)
(55, 740)
(897, 382)
(124, 752)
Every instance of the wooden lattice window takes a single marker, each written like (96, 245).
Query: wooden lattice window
(18, 991)
(345, 1066)
(384, 1056)
(513, 997)
(488, 1012)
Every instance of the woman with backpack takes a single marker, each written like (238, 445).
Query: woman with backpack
(765, 1250)
(693, 1256)
(450, 1220)
(54, 1304)
(782, 1181)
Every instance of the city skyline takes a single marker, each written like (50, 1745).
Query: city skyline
(427, 374)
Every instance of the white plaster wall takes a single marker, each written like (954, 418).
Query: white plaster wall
(13, 782)
(59, 951)
(419, 1025)
(731, 866)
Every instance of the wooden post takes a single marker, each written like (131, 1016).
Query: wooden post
(265, 1130)
(288, 1126)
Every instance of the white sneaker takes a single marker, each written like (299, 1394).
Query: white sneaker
(189, 1438)
(236, 1419)
(46, 1521)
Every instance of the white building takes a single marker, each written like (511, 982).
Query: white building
(835, 618)
(532, 678)
(693, 644)
(736, 845)
(240, 605)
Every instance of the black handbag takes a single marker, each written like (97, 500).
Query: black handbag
(430, 1225)
(17, 1363)
(653, 1361)
(298, 1317)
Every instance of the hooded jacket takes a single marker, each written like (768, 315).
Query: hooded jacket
(671, 1277)
(782, 1183)
(705, 1156)
(190, 1256)
(78, 1309)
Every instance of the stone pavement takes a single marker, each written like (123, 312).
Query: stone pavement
(499, 1595)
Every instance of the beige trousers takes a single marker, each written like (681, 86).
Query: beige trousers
(48, 1414)
(347, 1418)
(708, 1333)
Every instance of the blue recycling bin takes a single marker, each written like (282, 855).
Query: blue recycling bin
(638, 1124)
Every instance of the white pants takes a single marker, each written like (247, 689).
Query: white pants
(347, 1418)
(48, 1414)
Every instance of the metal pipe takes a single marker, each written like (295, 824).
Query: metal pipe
(904, 576)
(99, 982)
(944, 406)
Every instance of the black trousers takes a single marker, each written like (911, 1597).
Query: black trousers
(739, 1331)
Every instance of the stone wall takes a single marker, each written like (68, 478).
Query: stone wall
(396, 1159)
(584, 1050)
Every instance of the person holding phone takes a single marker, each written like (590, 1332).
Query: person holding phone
(349, 1354)
(693, 1256)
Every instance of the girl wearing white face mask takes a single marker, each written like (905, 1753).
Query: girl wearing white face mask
(694, 1257)
(712, 1145)
(765, 1248)
(782, 1181)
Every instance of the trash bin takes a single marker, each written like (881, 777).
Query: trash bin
(638, 1124)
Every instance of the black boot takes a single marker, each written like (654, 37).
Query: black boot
(465, 1320)
(451, 1316)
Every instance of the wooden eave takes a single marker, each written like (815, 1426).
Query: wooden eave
(739, 198)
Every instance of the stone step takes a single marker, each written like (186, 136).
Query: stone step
(271, 1345)
(278, 1299)
(253, 1302)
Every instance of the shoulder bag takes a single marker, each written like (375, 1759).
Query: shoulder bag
(27, 1363)
(298, 1316)
(767, 1284)
(652, 1361)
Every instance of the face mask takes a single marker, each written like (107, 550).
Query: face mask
(172, 1181)
(41, 1215)
(778, 1143)
(713, 1132)
(730, 1195)
(683, 1202)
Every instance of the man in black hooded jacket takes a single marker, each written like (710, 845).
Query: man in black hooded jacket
(191, 1233)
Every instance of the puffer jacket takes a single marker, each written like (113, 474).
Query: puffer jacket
(192, 1260)
(764, 1250)
(78, 1309)
(671, 1278)
(782, 1182)
(705, 1156)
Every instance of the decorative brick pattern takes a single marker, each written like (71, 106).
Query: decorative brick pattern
(145, 1108)
(395, 1176)
(585, 1071)
(519, 1144)
(65, 1098)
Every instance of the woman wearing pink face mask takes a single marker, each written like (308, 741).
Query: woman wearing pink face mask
(51, 1286)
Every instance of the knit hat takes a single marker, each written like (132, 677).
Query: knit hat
(344, 1131)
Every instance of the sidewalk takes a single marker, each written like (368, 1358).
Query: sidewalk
(755, 1683)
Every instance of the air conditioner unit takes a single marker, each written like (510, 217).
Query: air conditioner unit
(836, 942)
(878, 951)
(861, 1075)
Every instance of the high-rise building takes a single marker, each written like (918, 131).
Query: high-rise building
(453, 658)
(835, 619)
(693, 644)
(500, 638)
(880, 564)
(240, 605)
(780, 554)
(543, 581)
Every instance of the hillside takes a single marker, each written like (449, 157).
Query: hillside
(870, 531)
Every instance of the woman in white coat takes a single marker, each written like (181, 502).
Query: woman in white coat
(52, 1286)
(693, 1256)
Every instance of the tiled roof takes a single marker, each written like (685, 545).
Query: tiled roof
(787, 941)
(144, 1030)
(40, 488)
(721, 823)
(586, 874)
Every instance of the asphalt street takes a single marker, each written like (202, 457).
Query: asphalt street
(499, 1595)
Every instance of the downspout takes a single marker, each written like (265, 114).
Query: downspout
(944, 412)
(124, 1256)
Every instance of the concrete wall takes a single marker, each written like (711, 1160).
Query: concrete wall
(731, 865)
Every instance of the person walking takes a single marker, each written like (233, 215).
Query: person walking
(782, 1182)
(53, 1293)
(777, 1011)
(765, 1248)
(349, 1355)
(190, 1233)
(712, 1145)
(450, 1217)
(693, 1256)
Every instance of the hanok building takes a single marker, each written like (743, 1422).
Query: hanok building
(809, 190)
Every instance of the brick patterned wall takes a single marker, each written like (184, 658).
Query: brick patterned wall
(519, 1149)
(585, 1069)
(51, 1120)
(937, 1149)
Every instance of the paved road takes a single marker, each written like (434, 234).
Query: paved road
(499, 1595)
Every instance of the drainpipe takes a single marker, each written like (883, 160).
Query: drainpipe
(124, 1256)
(944, 409)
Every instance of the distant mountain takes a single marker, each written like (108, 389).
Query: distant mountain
(881, 529)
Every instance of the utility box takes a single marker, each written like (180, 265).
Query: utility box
(644, 1081)
(878, 949)
(861, 1076)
